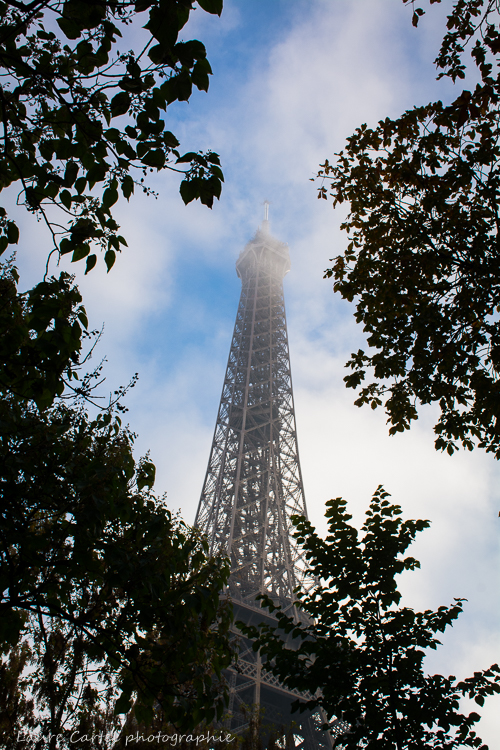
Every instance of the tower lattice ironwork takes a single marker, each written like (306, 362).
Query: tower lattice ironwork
(254, 485)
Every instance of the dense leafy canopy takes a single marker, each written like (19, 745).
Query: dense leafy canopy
(84, 119)
(107, 600)
(423, 263)
(363, 652)
(99, 584)
(41, 337)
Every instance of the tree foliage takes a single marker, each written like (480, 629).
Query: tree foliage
(362, 655)
(41, 338)
(107, 600)
(102, 589)
(422, 263)
(84, 120)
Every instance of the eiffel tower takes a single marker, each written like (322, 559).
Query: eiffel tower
(253, 486)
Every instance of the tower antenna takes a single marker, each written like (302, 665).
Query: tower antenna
(266, 210)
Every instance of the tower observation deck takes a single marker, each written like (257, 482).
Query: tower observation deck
(253, 486)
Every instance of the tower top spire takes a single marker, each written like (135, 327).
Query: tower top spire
(265, 223)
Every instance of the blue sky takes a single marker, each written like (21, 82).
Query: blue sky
(292, 80)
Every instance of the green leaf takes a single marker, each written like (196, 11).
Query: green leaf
(200, 74)
(158, 54)
(66, 246)
(217, 172)
(154, 158)
(97, 173)
(80, 251)
(46, 148)
(127, 186)
(187, 52)
(91, 261)
(189, 190)
(12, 233)
(120, 104)
(109, 198)
(109, 259)
(183, 86)
(211, 6)
(4, 242)
(169, 139)
(177, 87)
(65, 197)
(81, 184)
(113, 135)
(70, 173)
(122, 705)
(189, 157)
(143, 713)
(69, 27)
